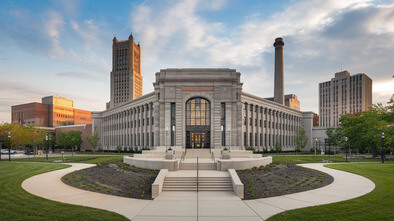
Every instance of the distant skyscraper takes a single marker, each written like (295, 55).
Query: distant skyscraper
(343, 94)
(126, 79)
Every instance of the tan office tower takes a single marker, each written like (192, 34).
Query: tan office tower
(126, 79)
(343, 94)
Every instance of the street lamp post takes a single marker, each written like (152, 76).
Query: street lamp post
(315, 145)
(9, 148)
(346, 149)
(46, 138)
(382, 147)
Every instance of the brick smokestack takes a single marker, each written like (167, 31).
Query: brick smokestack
(278, 87)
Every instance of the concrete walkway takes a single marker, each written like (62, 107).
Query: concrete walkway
(202, 205)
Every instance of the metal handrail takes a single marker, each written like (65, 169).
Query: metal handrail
(213, 157)
(197, 174)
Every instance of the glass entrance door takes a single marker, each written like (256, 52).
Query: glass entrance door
(198, 140)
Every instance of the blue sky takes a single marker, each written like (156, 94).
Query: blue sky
(63, 48)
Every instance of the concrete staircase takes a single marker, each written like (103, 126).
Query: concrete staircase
(204, 184)
(200, 153)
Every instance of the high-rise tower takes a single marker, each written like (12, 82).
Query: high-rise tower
(126, 79)
(344, 94)
(278, 83)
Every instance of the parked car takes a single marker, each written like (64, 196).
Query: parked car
(5, 151)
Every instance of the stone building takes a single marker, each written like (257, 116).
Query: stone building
(202, 108)
(126, 79)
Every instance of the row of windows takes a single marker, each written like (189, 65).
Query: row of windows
(129, 124)
(276, 125)
(139, 139)
(284, 140)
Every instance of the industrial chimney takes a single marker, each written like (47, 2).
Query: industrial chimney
(278, 87)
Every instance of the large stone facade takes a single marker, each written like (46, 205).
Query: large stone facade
(198, 108)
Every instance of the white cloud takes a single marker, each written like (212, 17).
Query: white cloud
(320, 36)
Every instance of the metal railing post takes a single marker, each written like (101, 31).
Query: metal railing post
(197, 174)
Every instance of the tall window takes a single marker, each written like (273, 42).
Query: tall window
(172, 124)
(223, 122)
(198, 123)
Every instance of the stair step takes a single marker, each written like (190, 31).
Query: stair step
(195, 178)
(224, 188)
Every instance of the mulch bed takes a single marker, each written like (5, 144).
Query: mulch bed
(115, 179)
(280, 179)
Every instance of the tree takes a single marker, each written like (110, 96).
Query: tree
(71, 138)
(300, 139)
(94, 139)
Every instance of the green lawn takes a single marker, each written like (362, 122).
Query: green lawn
(74, 159)
(17, 204)
(377, 205)
(319, 158)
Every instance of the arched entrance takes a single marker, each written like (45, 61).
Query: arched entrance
(198, 123)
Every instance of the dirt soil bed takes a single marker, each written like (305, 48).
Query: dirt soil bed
(115, 178)
(280, 179)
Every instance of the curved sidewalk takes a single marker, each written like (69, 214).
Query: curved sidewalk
(345, 186)
(49, 186)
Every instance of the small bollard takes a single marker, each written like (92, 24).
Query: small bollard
(62, 156)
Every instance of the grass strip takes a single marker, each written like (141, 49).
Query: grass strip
(17, 204)
(377, 205)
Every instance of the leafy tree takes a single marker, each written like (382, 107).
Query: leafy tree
(364, 129)
(71, 139)
(300, 139)
(94, 139)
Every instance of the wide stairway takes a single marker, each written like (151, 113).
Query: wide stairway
(207, 181)
(205, 162)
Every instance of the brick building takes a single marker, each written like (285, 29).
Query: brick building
(51, 112)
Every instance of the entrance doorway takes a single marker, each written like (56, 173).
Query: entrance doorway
(198, 123)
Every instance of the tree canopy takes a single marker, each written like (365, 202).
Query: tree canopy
(94, 139)
(300, 139)
(69, 139)
(364, 129)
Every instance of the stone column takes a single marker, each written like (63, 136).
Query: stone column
(278, 87)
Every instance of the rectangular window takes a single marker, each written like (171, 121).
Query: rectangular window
(251, 139)
(152, 138)
(172, 124)
(223, 123)
(245, 141)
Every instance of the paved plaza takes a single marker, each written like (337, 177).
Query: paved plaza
(212, 205)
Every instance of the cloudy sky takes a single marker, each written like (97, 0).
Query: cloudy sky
(64, 47)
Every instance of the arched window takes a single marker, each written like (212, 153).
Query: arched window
(198, 123)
